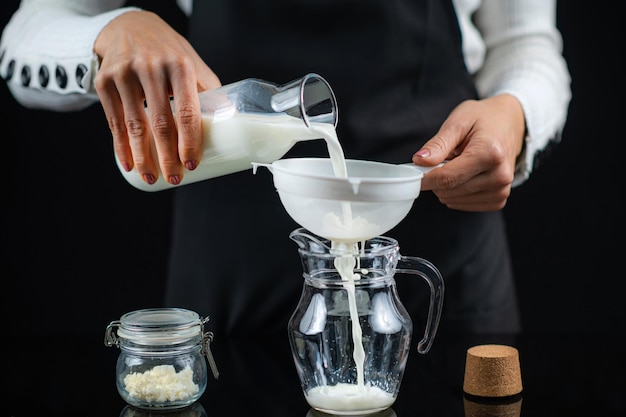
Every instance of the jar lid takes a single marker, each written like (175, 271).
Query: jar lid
(156, 326)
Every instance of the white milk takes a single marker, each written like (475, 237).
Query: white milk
(232, 144)
(349, 398)
(344, 397)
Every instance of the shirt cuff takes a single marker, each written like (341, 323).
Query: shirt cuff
(57, 59)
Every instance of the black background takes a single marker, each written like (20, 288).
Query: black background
(80, 246)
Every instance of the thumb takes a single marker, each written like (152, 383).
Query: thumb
(442, 146)
(207, 79)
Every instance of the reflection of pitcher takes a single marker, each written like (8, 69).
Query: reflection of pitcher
(253, 120)
(389, 412)
(326, 342)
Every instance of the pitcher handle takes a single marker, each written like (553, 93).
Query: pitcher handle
(428, 271)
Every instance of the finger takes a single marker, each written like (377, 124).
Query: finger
(478, 194)
(188, 116)
(481, 201)
(453, 174)
(446, 144)
(138, 130)
(163, 127)
(114, 112)
(207, 80)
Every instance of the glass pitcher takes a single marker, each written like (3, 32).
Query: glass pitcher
(252, 120)
(350, 335)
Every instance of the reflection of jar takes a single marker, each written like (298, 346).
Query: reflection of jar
(194, 410)
(161, 363)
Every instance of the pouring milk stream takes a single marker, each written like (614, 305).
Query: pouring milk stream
(357, 396)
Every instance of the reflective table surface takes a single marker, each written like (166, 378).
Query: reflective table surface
(562, 376)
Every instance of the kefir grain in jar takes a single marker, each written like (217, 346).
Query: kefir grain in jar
(162, 357)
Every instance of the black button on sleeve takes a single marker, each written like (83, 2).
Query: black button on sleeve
(44, 76)
(10, 70)
(25, 75)
(61, 77)
(81, 70)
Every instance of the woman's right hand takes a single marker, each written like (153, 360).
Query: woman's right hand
(143, 58)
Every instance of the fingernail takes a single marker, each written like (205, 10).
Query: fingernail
(149, 178)
(191, 165)
(126, 166)
(174, 179)
(423, 153)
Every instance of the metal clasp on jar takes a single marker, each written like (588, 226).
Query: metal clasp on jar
(110, 336)
(207, 338)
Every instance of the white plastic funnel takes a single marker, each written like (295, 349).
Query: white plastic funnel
(373, 199)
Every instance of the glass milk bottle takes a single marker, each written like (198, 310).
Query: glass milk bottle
(252, 121)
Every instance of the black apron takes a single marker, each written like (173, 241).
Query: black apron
(397, 70)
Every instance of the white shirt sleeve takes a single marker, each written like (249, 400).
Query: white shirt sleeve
(46, 51)
(514, 47)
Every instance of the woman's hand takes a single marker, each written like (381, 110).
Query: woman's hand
(143, 58)
(482, 140)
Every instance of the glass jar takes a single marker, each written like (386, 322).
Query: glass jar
(162, 357)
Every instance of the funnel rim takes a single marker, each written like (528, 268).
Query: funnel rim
(411, 173)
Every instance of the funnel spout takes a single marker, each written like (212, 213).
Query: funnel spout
(355, 183)
(308, 241)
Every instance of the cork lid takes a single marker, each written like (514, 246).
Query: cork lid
(492, 371)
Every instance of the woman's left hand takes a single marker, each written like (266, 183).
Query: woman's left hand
(481, 139)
